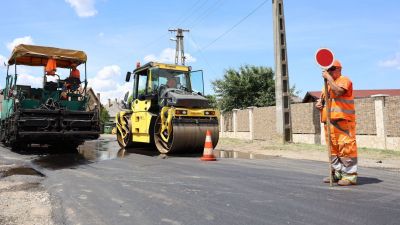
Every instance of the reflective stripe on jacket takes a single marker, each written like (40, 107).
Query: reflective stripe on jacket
(342, 107)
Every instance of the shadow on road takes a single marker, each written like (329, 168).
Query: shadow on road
(153, 152)
(61, 161)
(367, 180)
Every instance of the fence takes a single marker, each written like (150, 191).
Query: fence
(378, 123)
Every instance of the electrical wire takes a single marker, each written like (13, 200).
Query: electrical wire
(234, 26)
(201, 53)
(199, 19)
(190, 15)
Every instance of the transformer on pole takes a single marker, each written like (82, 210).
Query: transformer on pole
(179, 45)
(282, 88)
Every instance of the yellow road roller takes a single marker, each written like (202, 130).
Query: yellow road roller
(167, 108)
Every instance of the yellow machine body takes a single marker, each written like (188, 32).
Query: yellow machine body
(174, 119)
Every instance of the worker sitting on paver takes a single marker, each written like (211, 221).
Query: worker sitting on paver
(72, 83)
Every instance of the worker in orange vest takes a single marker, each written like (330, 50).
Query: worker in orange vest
(75, 72)
(343, 125)
(74, 77)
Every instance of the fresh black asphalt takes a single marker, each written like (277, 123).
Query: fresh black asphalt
(112, 186)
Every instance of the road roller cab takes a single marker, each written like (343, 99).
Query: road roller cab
(167, 108)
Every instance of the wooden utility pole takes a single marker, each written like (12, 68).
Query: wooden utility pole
(282, 88)
(179, 45)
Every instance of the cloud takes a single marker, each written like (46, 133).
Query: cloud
(109, 83)
(394, 62)
(108, 72)
(84, 8)
(23, 40)
(167, 56)
(117, 93)
(25, 78)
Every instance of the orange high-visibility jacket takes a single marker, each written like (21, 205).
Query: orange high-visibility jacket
(342, 107)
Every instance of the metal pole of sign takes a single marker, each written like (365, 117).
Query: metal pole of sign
(85, 79)
(325, 59)
(328, 128)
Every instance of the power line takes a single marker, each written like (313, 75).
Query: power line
(207, 12)
(234, 26)
(192, 12)
(201, 53)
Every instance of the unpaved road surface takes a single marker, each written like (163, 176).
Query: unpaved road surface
(106, 185)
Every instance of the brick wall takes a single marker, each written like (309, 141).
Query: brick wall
(265, 123)
(306, 123)
(392, 116)
(365, 116)
(228, 121)
(305, 119)
(243, 120)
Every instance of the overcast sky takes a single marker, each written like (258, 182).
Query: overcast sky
(224, 34)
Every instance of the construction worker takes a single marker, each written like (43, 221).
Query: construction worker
(171, 83)
(74, 79)
(343, 125)
(75, 72)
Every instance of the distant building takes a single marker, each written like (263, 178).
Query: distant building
(94, 99)
(113, 107)
(313, 96)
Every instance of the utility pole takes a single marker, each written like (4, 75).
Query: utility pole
(282, 88)
(179, 45)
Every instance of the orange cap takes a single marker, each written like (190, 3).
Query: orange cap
(336, 63)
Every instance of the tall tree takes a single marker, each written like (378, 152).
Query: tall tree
(249, 86)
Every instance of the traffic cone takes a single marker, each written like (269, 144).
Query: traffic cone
(208, 149)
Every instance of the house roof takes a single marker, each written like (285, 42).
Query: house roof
(90, 89)
(113, 107)
(312, 96)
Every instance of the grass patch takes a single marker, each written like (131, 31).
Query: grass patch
(233, 141)
(270, 145)
(392, 154)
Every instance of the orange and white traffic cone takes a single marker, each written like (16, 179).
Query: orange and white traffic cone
(208, 149)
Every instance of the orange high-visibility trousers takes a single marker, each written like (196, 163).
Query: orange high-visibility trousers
(343, 149)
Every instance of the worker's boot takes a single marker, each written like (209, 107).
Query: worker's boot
(348, 179)
(336, 176)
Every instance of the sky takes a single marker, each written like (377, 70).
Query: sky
(223, 34)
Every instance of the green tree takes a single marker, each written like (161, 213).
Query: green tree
(249, 86)
(212, 100)
(104, 115)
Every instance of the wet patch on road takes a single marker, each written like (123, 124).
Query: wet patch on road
(20, 171)
(108, 149)
(240, 155)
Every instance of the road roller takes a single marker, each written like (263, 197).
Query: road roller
(166, 109)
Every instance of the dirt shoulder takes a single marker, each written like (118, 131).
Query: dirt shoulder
(23, 201)
(378, 158)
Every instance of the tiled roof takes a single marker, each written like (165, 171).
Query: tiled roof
(357, 93)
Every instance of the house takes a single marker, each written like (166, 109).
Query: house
(313, 96)
(113, 107)
(94, 99)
